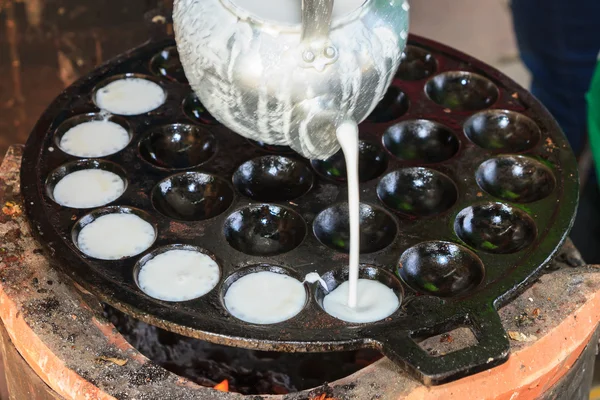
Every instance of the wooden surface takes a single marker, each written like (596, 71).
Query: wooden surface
(58, 329)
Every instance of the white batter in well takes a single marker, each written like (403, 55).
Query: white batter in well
(94, 139)
(265, 297)
(290, 11)
(115, 236)
(88, 188)
(130, 96)
(178, 275)
(375, 302)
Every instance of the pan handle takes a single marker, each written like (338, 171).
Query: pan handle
(491, 350)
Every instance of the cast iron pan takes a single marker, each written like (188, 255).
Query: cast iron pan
(468, 189)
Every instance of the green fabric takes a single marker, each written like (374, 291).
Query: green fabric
(593, 102)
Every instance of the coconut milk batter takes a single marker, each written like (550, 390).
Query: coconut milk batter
(347, 136)
(265, 297)
(130, 96)
(376, 301)
(94, 139)
(88, 188)
(115, 236)
(178, 275)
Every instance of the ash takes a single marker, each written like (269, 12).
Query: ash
(248, 371)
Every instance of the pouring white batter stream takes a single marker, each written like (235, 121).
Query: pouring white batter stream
(357, 300)
(347, 135)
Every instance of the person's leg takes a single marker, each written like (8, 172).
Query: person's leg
(559, 41)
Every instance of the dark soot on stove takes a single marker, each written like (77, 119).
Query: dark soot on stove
(248, 371)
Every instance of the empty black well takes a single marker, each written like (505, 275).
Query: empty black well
(192, 196)
(502, 130)
(462, 91)
(516, 178)
(193, 108)
(421, 141)
(495, 228)
(178, 146)
(273, 178)
(441, 269)
(372, 162)
(377, 228)
(262, 230)
(167, 64)
(393, 105)
(416, 64)
(417, 192)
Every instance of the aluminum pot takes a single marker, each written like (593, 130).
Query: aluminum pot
(290, 84)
